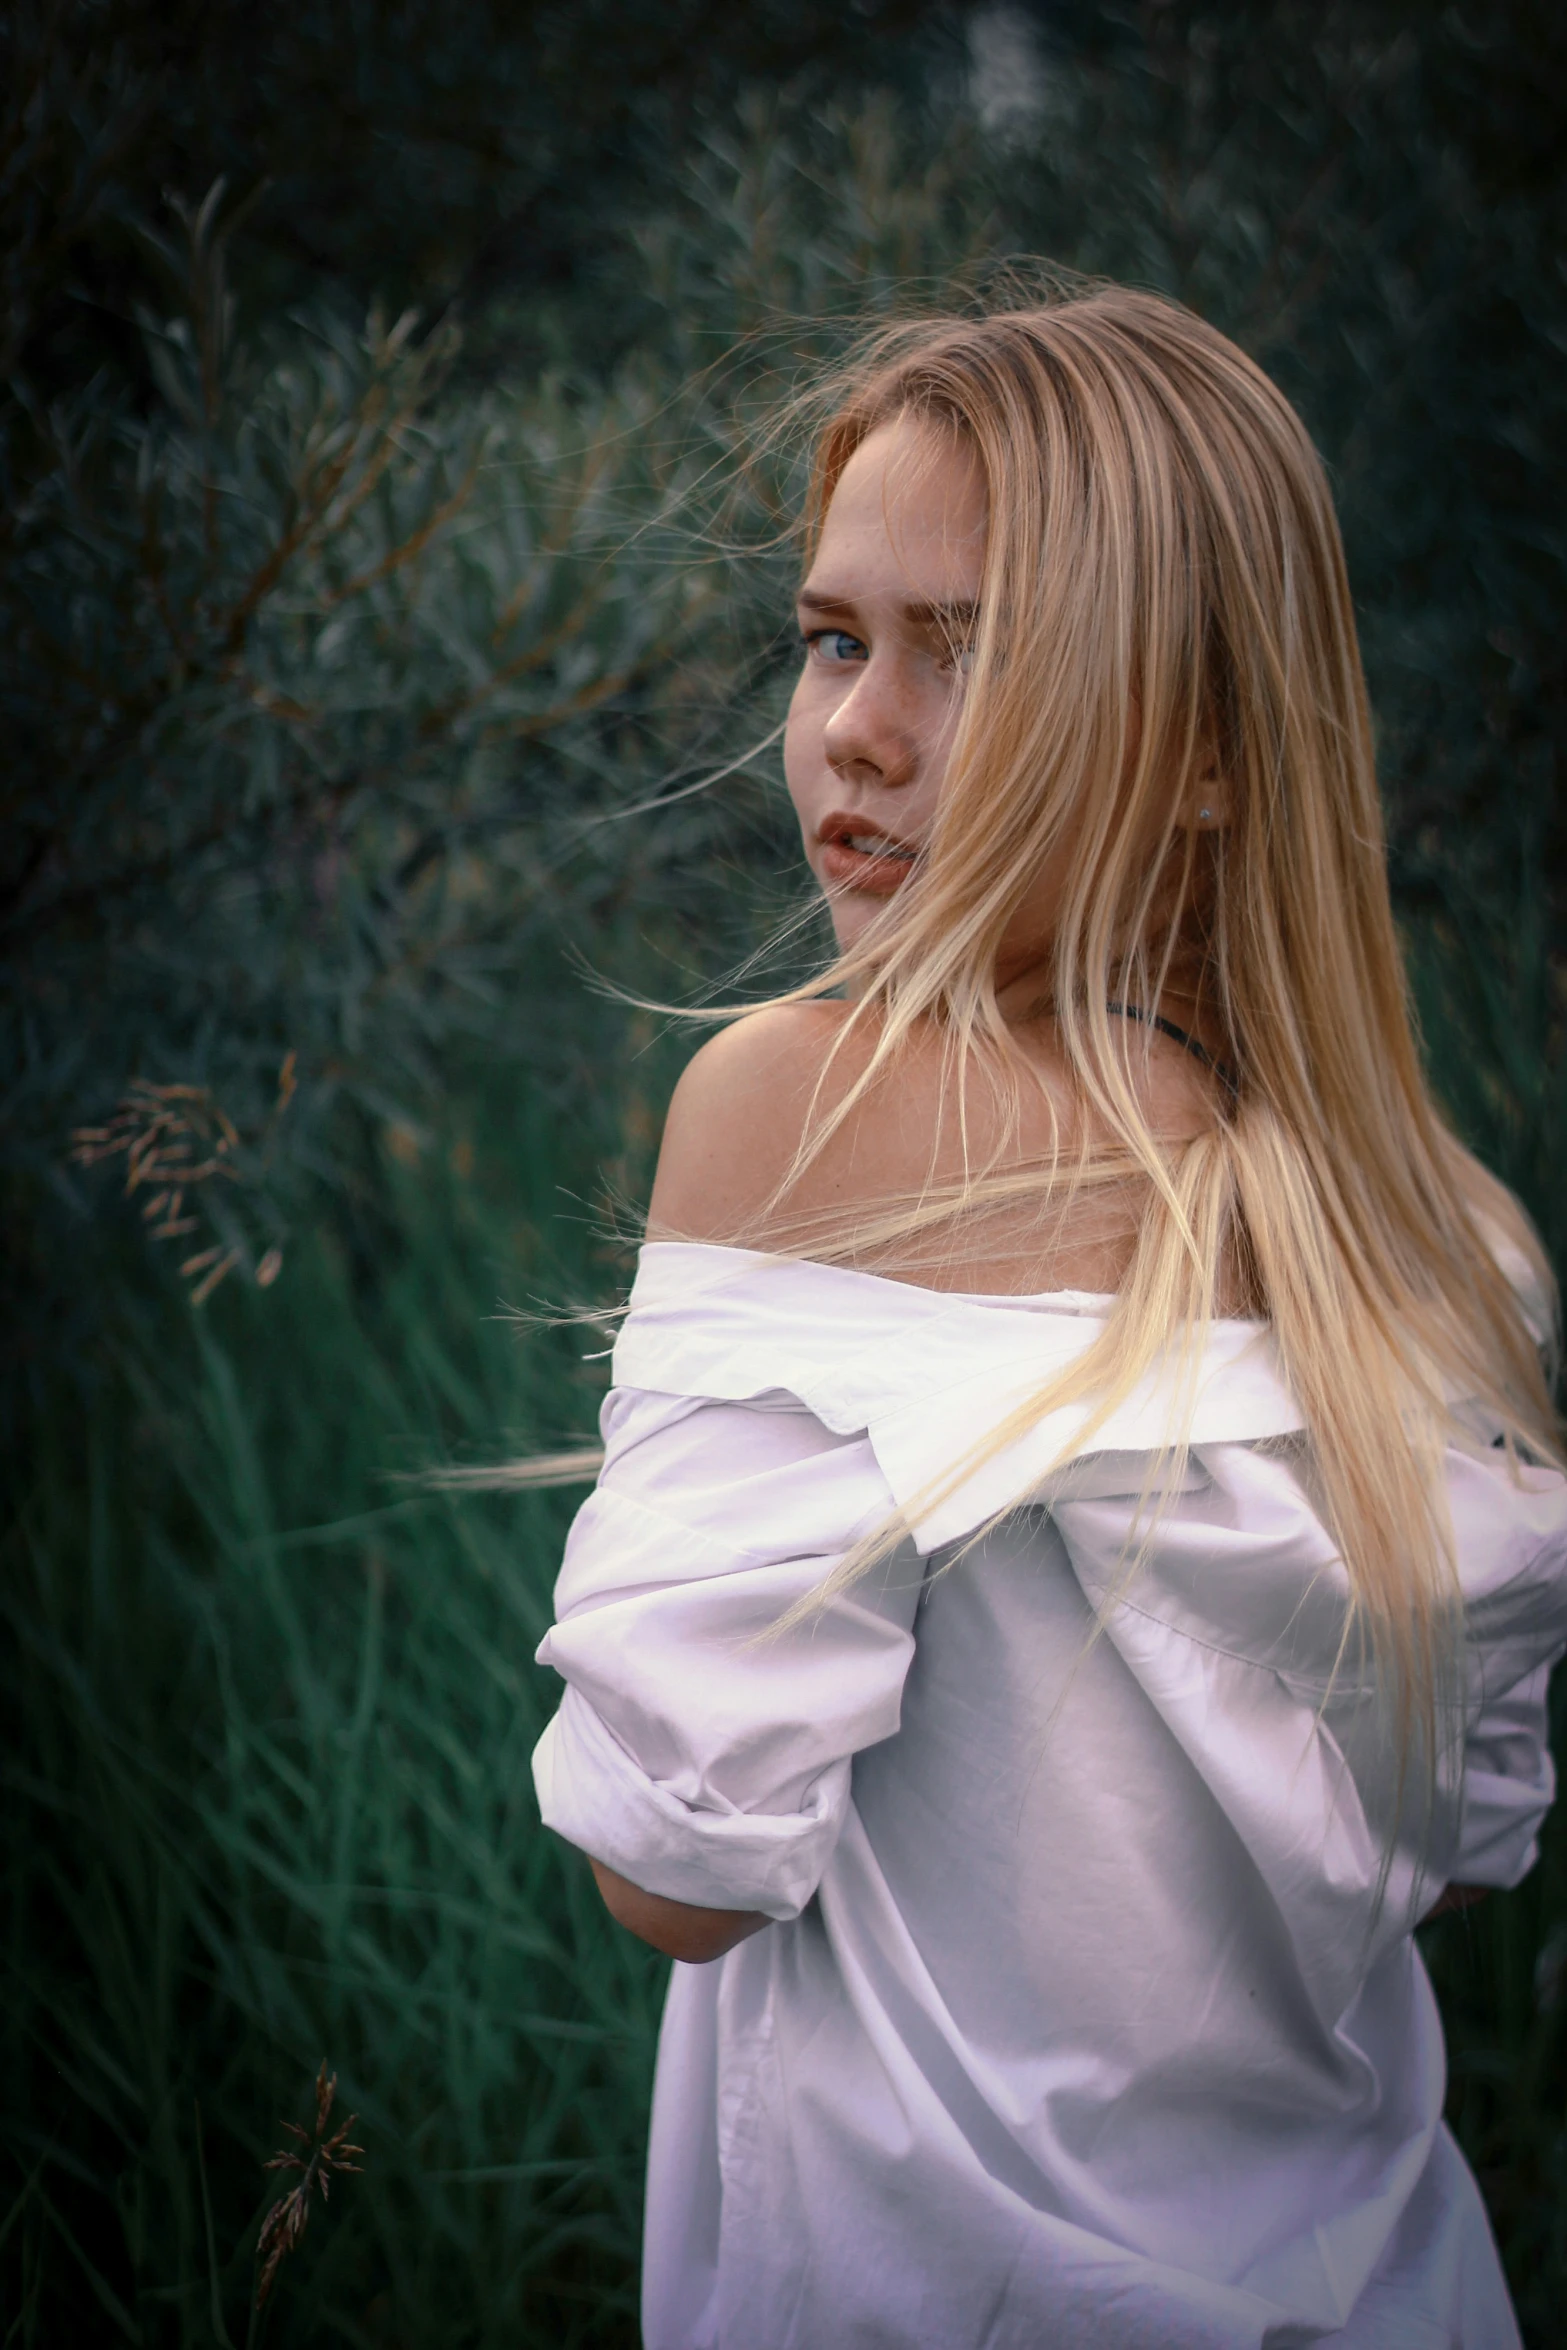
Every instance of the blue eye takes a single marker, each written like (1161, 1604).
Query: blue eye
(835, 645)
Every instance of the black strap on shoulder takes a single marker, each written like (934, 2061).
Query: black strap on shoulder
(1221, 1069)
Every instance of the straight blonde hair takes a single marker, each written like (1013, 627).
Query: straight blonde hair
(1164, 597)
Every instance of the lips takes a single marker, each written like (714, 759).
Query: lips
(858, 855)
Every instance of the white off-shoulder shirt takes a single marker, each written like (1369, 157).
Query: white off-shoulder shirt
(1091, 2013)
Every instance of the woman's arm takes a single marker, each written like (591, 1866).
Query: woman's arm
(696, 1753)
(677, 1928)
(680, 1930)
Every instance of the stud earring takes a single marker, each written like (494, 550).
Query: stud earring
(1205, 815)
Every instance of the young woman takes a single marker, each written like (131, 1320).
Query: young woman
(1078, 1556)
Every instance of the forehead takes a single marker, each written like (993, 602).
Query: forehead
(909, 509)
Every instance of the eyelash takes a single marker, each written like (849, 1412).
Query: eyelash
(816, 636)
(960, 656)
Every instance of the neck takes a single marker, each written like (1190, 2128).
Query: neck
(1026, 994)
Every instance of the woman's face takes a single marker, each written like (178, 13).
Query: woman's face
(886, 612)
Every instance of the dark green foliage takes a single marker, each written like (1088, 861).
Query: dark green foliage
(1501, 1975)
(335, 645)
(398, 150)
(298, 674)
(1359, 196)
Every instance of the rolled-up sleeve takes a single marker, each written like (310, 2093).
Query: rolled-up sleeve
(698, 1751)
(1510, 1519)
(1509, 1784)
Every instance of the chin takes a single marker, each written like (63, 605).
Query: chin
(851, 911)
(851, 917)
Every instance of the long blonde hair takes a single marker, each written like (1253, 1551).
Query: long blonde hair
(1164, 595)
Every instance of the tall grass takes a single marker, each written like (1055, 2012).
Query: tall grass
(270, 1801)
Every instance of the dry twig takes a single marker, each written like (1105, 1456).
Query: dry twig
(319, 2158)
(174, 1138)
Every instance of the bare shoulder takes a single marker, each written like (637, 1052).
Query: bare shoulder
(732, 1170)
(737, 1118)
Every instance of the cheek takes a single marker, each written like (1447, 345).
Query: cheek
(802, 748)
(1034, 922)
(945, 715)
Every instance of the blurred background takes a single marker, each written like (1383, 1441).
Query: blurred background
(392, 641)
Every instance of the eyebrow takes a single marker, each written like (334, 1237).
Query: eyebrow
(962, 612)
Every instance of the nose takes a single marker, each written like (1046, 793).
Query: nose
(867, 739)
